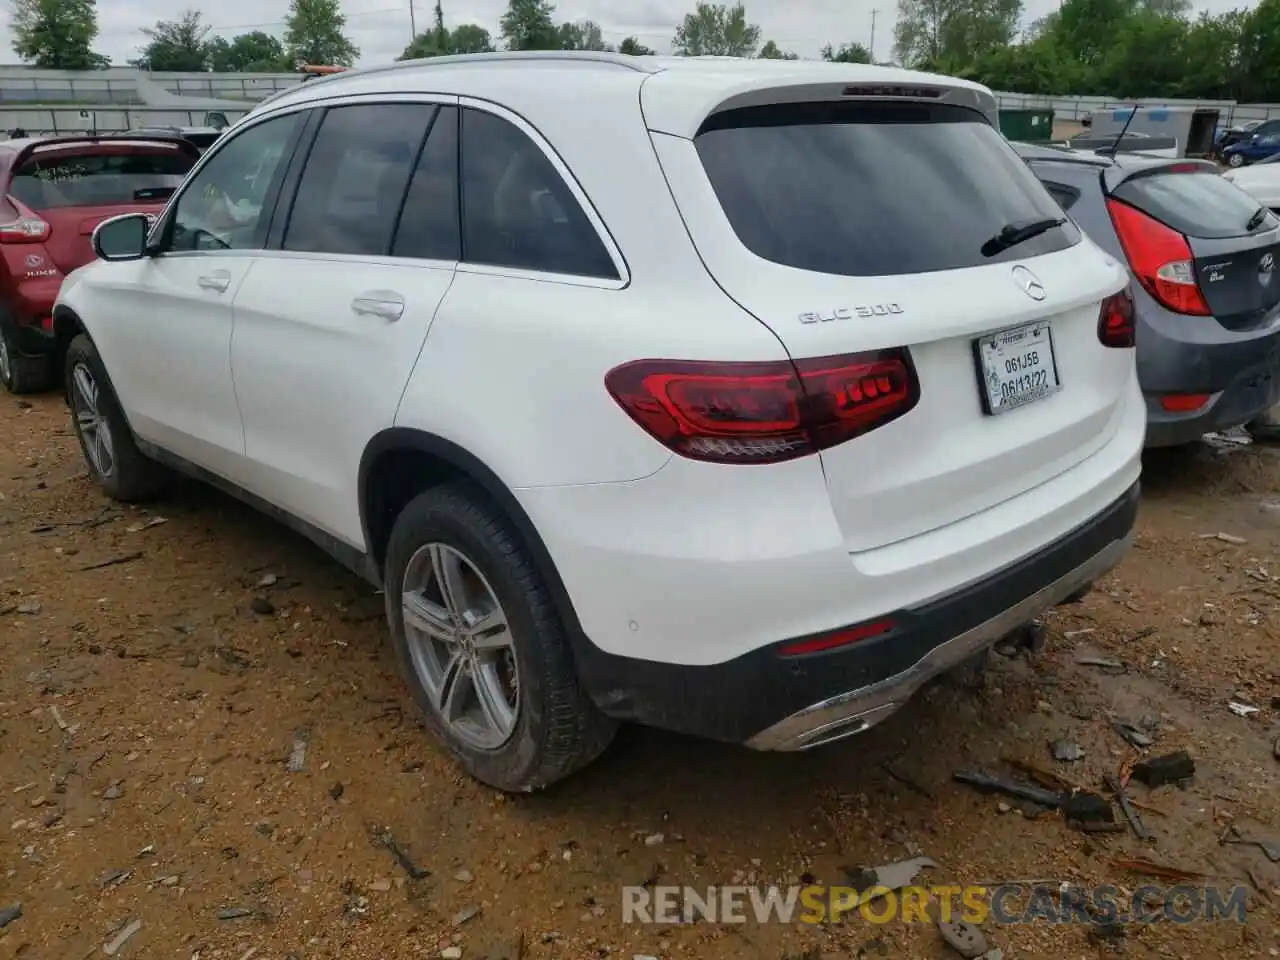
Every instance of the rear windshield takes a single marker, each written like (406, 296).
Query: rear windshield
(874, 190)
(99, 179)
(1195, 204)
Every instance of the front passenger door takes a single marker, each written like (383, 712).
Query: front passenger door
(167, 341)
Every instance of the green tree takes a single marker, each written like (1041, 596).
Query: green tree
(255, 52)
(177, 46)
(315, 33)
(1260, 53)
(848, 53)
(528, 25)
(951, 34)
(56, 34)
(583, 35)
(634, 47)
(1036, 66)
(716, 30)
(1147, 57)
(771, 51)
(1166, 8)
(470, 38)
(1213, 55)
(1086, 29)
(465, 38)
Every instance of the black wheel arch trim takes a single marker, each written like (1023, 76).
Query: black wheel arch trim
(407, 438)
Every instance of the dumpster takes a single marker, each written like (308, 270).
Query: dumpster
(1032, 125)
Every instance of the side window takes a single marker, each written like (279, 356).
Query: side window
(516, 209)
(429, 226)
(355, 178)
(222, 207)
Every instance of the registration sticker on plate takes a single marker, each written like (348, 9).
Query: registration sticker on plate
(1017, 367)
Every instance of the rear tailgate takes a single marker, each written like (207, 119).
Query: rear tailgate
(1234, 241)
(75, 185)
(849, 227)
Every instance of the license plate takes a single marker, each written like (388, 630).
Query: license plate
(1017, 367)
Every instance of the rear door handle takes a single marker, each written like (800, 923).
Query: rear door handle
(386, 304)
(217, 281)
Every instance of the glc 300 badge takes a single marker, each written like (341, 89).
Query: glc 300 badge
(863, 311)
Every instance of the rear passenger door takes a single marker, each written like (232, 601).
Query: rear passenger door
(330, 321)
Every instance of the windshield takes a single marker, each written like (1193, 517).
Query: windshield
(98, 179)
(858, 189)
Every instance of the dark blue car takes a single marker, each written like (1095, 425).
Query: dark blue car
(1257, 147)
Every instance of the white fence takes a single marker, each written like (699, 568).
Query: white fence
(1073, 108)
(51, 100)
(38, 121)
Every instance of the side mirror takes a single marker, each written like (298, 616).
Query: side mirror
(122, 238)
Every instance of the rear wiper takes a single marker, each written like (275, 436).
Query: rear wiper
(1012, 234)
(1256, 220)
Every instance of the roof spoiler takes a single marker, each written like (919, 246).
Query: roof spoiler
(55, 142)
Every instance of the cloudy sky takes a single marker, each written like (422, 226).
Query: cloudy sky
(381, 28)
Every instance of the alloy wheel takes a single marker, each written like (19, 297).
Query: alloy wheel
(95, 431)
(460, 643)
(6, 368)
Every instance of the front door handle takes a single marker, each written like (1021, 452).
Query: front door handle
(386, 304)
(217, 281)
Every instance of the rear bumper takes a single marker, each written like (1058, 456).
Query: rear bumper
(774, 703)
(1253, 393)
(855, 711)
(28, 316)
(1253, 388)
(1238, 370)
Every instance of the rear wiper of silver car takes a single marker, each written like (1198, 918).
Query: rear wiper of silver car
(1256, 220)
(1012, 234)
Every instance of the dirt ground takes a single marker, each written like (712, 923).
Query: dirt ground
(154, 688)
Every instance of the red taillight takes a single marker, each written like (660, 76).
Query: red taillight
(1184, 402)
(1160, 258)
(24, 230)
(764, 412)
(839, 638)
(1115, 320)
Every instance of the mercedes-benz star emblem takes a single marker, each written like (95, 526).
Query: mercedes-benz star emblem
(1267, 263)
(1032, 287)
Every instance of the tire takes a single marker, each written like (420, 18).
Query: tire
(1235, 160)
(552, 727)
(20, 373)
(125, 473)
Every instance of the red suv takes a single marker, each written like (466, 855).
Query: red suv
(56, 190)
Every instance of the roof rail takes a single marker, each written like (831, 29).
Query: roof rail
(623, 60)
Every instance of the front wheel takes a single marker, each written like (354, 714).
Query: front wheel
(482, 647)
(106, 441)
(1235, 160)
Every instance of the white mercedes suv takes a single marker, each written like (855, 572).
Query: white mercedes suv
(739, 398)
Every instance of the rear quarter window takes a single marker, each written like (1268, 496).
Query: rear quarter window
(99, 179)
(1195, 204)
(873, 189)
(1065, 196)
